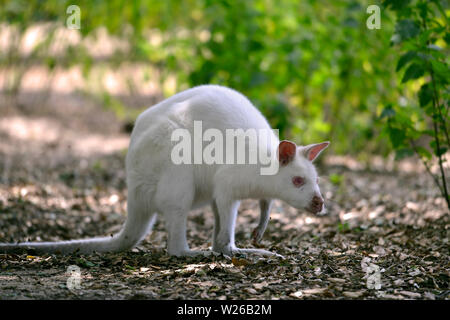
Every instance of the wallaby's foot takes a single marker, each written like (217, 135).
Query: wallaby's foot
(230, 251)
(260, 252)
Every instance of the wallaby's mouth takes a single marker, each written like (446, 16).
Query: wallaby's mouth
(312, 210)
(318, 210)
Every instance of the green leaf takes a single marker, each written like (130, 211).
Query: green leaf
(397, 137)
(343, 227)
(438, 152)
(429, 110)
(85, 263)
(336, 179)
(425, 95)
(403, 117)
(403, 153)
(414, 71)
(444, 151)
(423, 152)
(388, 112)
(404, 59)
(51, 63)
(427, 132)
(440, 68)
(423, 10)
(407, 29)
(447, 37)
(396, 4)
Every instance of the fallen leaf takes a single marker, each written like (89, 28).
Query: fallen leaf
(410, 294)
(240, 262)
(309, 292)
(297, 294)
(260, 285)
(251, 290)
(353, 294)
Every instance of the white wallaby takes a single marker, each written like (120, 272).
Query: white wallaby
(157, 185)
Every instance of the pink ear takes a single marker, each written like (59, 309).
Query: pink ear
(286, 151)
(313, 150)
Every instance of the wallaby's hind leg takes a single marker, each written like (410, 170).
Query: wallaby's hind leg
(174, 200)
(264, 206)
(176, 228)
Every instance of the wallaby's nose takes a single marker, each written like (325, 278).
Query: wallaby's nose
(317, 203)
(317, 200)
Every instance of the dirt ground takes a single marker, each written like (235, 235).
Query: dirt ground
(62, 177)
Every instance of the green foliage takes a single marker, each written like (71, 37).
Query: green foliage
(420, 126)
(313, 69)
(336, 179)
(343, 227)
(316, 73)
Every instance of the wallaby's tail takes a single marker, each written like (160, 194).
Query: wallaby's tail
(103, 244)
(139, 222)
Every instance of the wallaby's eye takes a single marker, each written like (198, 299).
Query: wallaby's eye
(298, 181)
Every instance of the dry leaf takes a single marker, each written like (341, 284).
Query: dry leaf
(240, 262)
(353, 294)
(260, 285)
(309, 292)
(410, 294)
(297, 294)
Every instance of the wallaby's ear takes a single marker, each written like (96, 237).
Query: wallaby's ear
(313, 150)
(286, 152)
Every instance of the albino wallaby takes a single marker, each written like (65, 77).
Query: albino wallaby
(156, 184)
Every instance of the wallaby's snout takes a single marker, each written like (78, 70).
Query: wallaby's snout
(317, 204)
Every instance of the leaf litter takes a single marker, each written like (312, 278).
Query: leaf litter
(385, 236)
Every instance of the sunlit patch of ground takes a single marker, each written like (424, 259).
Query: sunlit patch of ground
(37, 133)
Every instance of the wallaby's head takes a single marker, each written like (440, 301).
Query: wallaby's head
(297, 175)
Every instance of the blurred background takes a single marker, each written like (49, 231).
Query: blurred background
(312, 67)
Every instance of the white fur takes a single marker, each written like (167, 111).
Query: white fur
(156, 185)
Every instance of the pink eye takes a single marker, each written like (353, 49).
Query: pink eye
(298, 181)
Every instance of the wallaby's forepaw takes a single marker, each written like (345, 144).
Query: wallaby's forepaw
(238, 251)
(257, 235)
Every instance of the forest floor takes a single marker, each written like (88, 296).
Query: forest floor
(62, 177)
